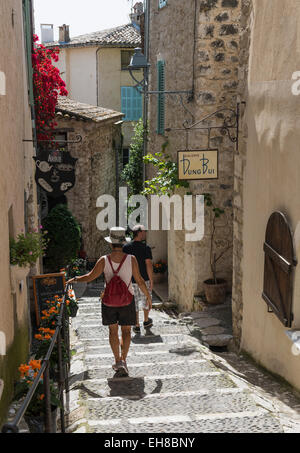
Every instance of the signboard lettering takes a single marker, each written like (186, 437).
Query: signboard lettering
(198, 164)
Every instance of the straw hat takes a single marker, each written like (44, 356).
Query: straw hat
(117, 236)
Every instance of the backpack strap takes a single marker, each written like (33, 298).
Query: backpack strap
(120, 265)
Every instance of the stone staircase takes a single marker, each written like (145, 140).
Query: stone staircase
(174, 385)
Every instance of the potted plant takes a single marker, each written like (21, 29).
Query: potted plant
(72, 304)
(76, 268)
(215, 288)
(35, 413)
(44, 338)
(63, 234)
(159, 270)
(24, 251)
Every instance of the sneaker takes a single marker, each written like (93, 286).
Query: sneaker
(148, 323)
(122, 369)
(136, 329)
(116, 366)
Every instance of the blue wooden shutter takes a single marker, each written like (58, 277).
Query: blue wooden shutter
(131, 103)
(161, 97)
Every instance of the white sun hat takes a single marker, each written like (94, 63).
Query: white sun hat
(117, 236)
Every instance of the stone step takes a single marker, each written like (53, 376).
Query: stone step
(145, 340)
(98, 331)
(141, 357)
(240, 422)
(185, 404)
(138, 387)
(141, 370)
(140, 347)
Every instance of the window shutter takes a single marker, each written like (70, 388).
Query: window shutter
(131, 103)
(28, 30)
(161, 97)
(280, 260)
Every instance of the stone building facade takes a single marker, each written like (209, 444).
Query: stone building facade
(267, 178)
(198, 42)
(96, 169)
(18, 192)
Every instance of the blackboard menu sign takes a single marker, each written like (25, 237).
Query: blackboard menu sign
(45, 287)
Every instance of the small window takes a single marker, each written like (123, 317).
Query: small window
(125, 59)
(162, 3)
(125, 157)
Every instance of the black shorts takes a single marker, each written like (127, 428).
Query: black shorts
(124, 316)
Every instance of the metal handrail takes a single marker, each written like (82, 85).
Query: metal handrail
(13, 427)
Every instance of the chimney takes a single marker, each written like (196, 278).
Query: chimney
(64, 34)
(137, 12)
(47, 33)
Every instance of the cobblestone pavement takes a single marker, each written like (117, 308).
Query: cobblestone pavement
(176, 384)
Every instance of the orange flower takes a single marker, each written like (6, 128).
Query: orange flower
(24, 369)
(38, 336)
(47, 337)
(35, 364)
(42, 396)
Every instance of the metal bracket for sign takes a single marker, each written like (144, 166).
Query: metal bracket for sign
(230, 124)
(78, 140)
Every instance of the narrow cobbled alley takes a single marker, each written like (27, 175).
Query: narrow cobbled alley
(176, 384)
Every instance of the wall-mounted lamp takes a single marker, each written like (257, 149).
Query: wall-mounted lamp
(139, 61)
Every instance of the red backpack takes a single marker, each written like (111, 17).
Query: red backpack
(116, 293)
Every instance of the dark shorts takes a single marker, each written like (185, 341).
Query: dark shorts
(124, 316)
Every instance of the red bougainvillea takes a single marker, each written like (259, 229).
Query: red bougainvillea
(47, 86)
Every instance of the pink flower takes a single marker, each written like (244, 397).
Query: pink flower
(30, 253)
(41, 226)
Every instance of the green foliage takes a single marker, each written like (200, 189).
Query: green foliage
(63, 233)
(166, 180)
(27, 248)
(215, 214)
(133, 171)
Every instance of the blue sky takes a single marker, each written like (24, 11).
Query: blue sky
(83, 16)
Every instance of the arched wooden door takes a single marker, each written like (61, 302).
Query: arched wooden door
(279, 265)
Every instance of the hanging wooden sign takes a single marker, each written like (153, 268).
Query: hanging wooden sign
(198, 164)
(45, 287)
(55, 171)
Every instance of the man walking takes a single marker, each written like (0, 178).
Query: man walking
(143, 255)
(118, 306)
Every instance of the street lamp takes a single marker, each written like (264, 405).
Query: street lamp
(139, 61)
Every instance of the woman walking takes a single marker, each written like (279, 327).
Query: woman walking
(118, 305)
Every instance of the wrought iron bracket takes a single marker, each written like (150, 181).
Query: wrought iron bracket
(230, 125)
(78, 140)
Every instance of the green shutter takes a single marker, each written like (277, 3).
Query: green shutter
(28, 31)
(161, 97)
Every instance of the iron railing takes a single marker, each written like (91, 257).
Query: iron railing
(61, 333)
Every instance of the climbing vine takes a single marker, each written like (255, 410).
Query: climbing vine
(47, 86)
(166, 180)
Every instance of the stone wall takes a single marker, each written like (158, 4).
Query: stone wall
(239, 168)
(198, 40)
(17, 185)
(95, 175)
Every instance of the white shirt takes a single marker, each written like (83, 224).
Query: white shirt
(125, 272)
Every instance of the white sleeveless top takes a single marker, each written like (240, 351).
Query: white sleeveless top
(125, 272)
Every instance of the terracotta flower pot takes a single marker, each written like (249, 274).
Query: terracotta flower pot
(215, 293)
